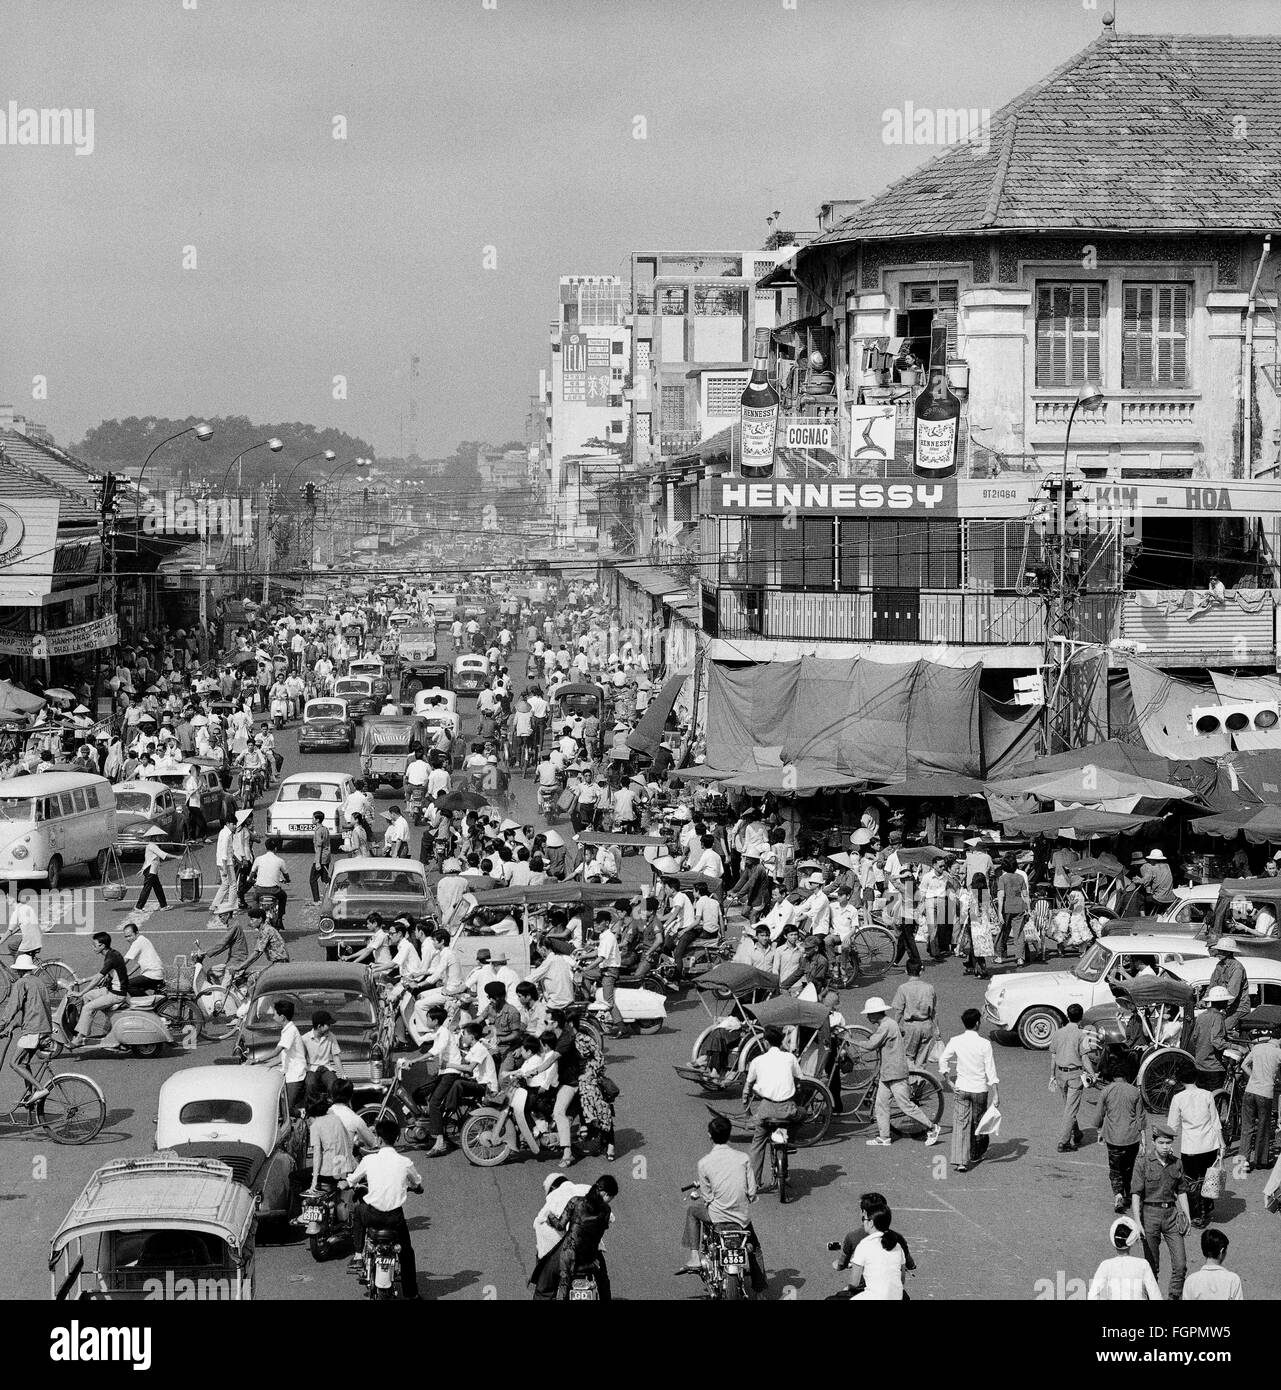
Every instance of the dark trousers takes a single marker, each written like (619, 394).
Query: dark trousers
(905, 948)
(321, 1082)
(294, 1093)
(1256, 1129)
(318, 876)
(1162, 1224)
(1196, 1166)
(140, 984)
(683, 943)
(546, 1277)
(365, 1217)
(151, 884)
(193, 823)
(1121, 1160)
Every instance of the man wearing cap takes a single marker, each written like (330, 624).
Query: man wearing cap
(886, 1043)
(1159, 1202)
(1230, 973)
(1069, 1073)
(28, 1012)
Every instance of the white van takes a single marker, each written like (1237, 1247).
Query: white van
(49, 820)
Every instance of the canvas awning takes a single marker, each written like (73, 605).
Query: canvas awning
(648, 733)
(1077, 823)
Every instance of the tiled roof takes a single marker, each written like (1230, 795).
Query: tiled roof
(1136, 133)
(28, 469)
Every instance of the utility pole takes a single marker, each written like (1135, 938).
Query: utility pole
(106, 566)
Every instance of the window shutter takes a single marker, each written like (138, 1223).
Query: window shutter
(1047, 370)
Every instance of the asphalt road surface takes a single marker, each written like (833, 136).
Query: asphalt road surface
(1026, 1223)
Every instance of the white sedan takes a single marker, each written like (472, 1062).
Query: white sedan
(302, 794)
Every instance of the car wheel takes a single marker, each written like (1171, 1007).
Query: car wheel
(1036, 1026)
(54, 872)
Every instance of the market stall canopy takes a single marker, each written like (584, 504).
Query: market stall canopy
(1077, 823)
(648, 733)
(923, 788)
(15, 701)
(842, 722)
(1112, 753)
(1090, 785)
(1261, 825)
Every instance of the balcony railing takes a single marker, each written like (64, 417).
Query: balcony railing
(672, 442)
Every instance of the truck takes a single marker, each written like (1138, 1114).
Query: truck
(387, 745)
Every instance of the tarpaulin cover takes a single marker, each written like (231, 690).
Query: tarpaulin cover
(15, 701)
(1261, 827)
(648, 733)
(1242, 780)
(1091, 785)
(844, 721)
(1113, 754)
(1080, 822)
(1011, 734)
(941, 784)
(1162, 705)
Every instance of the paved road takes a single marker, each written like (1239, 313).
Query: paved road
(1026, 1223)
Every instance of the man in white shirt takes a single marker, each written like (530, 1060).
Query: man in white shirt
(396, 836)
(491, 969)
(357, 802)
(608, 963)
(293, 1057)
(705, 860)
(969, 1055)
(437, 782)
(389, 1177)
(771, 1079)
(146, 969)
(377, 950)
(556, 975)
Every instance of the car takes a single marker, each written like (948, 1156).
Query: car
(362, 1026)
(299, 795)
(327, 727)
(446, 720)
(435, 700)
(216, 802)
(240, 1116)
(1033, 1004)
(402, 620)
(1262, 973)
(1256, 894)
(147, 813)
(373, 668)
(1191, 909)
(363, 885)
(359, 694)
(471, 674)
(417, 676)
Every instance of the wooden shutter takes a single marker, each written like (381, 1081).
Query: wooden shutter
(1068, 333)
(1154, 335)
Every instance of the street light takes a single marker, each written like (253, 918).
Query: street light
(327, 454)
(202, 433)
(275, 445)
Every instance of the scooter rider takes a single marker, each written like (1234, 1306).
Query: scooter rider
(107, 990)
(726, 1186)
(389, 1178)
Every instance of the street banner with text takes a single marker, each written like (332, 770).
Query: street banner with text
(66, 641)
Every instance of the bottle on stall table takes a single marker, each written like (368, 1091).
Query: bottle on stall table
(758, 414)
(938, 417)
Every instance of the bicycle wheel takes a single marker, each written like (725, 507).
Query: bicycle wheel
(1225, 1102)
(1158, 1077)
(180, 1014)
(219, 1017)
(858, 1068)
(814, 1101)
(60, 977)
(926, 1093)
(873, 949)
(74, 1111)
(781, 1171)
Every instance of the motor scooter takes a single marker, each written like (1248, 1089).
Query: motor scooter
(326, 1219)
(134, 1027)
(279, 712)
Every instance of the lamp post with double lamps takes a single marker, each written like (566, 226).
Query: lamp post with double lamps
(202, 432)
(274, 444)
(359, 462)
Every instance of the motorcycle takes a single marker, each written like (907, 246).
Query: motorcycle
(405, 1101)
(326, 1219)
(136, 1027)
(381, 1261)
(724, 1259)
(279, 712)
(549, 802)
(489, 1135)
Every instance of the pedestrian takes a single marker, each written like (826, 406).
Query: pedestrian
(915, 1005)
(1121, 1127)
(1194, 1120)
(152, 857)
(969, 1060)
(1124, 1278)
(293, 1057)
(898, 912)
(1213, 1283)
(1069, 1072)
(1262, 1067)
(558, 1192)
(887, 1042)
(323, 854)
(1159, 1204)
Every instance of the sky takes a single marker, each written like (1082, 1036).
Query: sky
(475, 130)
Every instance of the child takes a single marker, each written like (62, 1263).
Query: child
(1212, 1282)
(1121, 1128)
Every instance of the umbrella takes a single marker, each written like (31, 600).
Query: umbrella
(56, 692)
(1090, 784)
(462, 800)
(1262, 828)
(1102, 864)
(944, 784)
(1077, 823)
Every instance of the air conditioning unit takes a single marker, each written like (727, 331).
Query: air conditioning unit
(1238, 717)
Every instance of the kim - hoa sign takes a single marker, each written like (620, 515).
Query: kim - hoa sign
(842, 497)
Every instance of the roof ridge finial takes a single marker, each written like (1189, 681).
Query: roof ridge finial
(1109, 24)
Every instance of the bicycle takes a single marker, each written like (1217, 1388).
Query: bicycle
(925, 1091)
(865, 957)
(73, 1112)
(57, 974)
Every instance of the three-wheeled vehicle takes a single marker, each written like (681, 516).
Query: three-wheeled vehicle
(1150, 1017)
(158, 1228)
(422, 675)
(577, 700)
(471, 674)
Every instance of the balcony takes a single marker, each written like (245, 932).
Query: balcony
(1182, 628)
(675, 442)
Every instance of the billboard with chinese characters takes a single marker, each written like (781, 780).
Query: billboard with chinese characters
(573, 357)
(598, 363)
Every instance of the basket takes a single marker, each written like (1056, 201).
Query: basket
(113, 892)
(113, 877)
(181, 977)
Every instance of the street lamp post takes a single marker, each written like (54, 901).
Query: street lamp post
(360, 462)
(275, 445)
(1061, 702)
(202, 432)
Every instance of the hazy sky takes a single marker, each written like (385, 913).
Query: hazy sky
(467, 127)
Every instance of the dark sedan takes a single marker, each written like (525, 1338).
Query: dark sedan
(327, 727)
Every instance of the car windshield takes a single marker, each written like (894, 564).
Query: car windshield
(347, 686)
(17, 808)
(1092, 965)
(334, 711)
(309, 791)
(134, 801)
(216, 1111)
(350, 1008)
(355, 882)
(365, 668)
(395, 736)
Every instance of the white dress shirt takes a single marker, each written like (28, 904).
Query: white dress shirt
(773, 1075)
(975, 1064)
(389, 1176)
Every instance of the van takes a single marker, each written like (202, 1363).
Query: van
(49, 820)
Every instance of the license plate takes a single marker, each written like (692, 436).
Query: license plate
(299, 825)
(313, 1212)
(735, 1259)
(584, 1292)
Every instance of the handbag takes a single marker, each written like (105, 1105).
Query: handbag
(608, 1089)
(1212, 1183)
